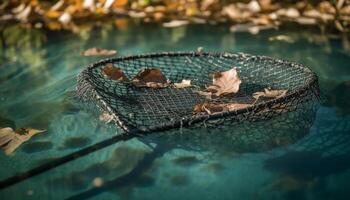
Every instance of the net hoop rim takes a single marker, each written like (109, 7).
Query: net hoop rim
(311, 82)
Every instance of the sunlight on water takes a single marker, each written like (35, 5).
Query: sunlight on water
(251, 161)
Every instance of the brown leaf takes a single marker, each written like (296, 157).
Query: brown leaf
(269, 93)
(206, 94)
(183, 84)
(211, 108)
(98, 52)
(114, 73)
(225, 83)
(236, 106)
(150, 77)
(106, 117)
(10, 140)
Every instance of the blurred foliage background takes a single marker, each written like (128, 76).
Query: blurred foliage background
(25, 24)
(331, 15)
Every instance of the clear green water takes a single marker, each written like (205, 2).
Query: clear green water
(38, 75)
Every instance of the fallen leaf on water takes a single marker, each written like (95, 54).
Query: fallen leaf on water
(211, 108)
(225, 83)
(183, 84)
(98, 52)
(175, 23)
(106, 117)
(150, 77)
(284, 38)
(10, 140)
(268, 92)
(114, 73)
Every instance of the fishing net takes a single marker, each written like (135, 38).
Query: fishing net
(144, 110)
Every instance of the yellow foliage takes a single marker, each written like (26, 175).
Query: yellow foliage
(53, 25)
(119, 3)
(52, 14)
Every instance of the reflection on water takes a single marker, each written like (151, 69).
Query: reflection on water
(298, 155)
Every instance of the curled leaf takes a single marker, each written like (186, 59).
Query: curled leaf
(98, 52)
(114, 73)
(10, 140)
(150, 77)
(225, 83)
(207, 107)
(211, 108)
(269, 93)
(183, 84)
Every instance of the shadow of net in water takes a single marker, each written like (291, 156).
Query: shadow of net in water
(246, 136)
(240, 137)
(319, 160)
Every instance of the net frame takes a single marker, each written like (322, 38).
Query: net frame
(302, 87)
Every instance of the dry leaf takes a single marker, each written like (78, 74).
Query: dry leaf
(114, 73)
(225, 83)
(284, 38)
(65, 18)
(184, 83)
(10, 140)
(24, 14)
(89, 4)
(98, 52)
(106, 117)
(137, 14)
(150, 77)
(206, 94)
(175, 23)
(211, 108)
(288, 12)
(268, 92)
(108, 4)
(58, 5)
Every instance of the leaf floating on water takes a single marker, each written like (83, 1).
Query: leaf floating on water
(150, 77)
(98, 52)
(283, 38)
(269, 93)
(175, 23)
(6, 136)
(114, 73)
(183, 84)
(225, 83)
(211, 108)
(10, 140)
(106, 117)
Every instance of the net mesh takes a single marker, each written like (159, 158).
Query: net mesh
(148, 110)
